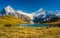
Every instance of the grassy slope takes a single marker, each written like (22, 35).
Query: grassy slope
(29, 32)
(10, 20)
(57, 22)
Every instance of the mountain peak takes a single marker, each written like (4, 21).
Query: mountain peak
(8, 6)
(41, 10)
(9, 9)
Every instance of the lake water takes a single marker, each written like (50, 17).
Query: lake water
(34, 25)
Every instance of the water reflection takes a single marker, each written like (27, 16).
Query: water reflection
(34, 25)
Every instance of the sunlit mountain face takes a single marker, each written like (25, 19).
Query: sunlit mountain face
(38, 16)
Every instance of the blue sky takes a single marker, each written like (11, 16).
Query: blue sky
(31, 5)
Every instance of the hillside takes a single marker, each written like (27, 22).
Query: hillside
(10, 20)
(54, 22)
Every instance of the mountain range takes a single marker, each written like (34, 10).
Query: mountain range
(40, 16)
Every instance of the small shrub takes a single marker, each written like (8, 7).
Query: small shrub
(8, 25)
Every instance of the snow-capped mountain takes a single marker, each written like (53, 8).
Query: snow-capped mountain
(39, 12)
(43, 16)
(19, 14)
(24, 16)
(8, 11)
(38, 16)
